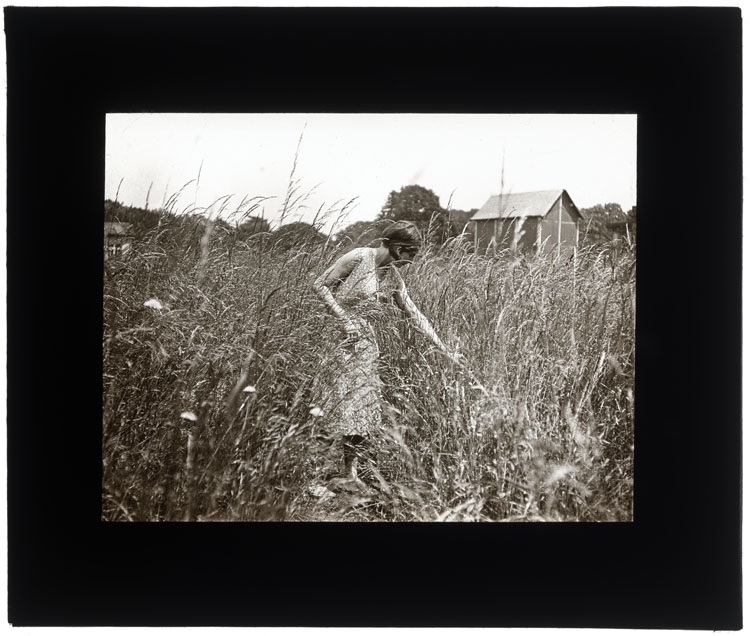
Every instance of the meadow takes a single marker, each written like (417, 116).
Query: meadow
(215, 353)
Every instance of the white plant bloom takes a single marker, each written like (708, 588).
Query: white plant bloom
(557, 473)
(316, 411)
(153, 303)
(249, 389)
(189, 415)
(322, 492)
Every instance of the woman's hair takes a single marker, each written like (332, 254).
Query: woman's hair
(402, 234)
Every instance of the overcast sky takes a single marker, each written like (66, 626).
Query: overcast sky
(364, 157)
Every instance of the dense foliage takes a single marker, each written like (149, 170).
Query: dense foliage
(422, 207)
(602, 223)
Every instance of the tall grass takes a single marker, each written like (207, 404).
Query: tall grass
(209, 404)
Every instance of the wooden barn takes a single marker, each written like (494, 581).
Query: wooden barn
(529, 221)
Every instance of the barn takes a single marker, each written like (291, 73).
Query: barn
(530, 221)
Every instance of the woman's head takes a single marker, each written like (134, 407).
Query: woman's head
(403, 241)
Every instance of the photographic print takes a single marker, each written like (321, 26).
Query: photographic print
(369, 317)
(362, 307)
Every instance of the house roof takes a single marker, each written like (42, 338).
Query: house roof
(116, 228)
(520, 205)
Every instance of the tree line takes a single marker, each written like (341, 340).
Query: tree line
(413, 203)
(601, 223)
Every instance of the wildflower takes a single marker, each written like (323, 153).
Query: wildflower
(322, 492)
(557, 473)
(316, 411)
(189, 415)
(153, 303)
(249, 389)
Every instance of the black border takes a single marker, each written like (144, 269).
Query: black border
(676, 566)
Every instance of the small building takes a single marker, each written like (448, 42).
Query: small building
(117, 238)
(530, 221)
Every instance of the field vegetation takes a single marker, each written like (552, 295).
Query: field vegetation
(215, 350)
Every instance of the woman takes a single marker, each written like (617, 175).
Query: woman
(352, 288)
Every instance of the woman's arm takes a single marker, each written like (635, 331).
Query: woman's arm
(406, 304)
(332, 278)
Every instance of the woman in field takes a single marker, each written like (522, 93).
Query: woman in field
(353, 288)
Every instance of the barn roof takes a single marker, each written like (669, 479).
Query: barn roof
(520, 205)
(116, 228)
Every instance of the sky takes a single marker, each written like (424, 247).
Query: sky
(361, 158)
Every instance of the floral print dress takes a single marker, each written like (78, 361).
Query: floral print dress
(353, 403)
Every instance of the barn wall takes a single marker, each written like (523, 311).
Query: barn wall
(527, 241)
(483, 231)
(505, 231)
(549, 227)
(568, 232)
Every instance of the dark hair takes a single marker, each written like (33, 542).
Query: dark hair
(402, 234)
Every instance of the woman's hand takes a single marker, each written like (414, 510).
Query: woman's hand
(458, 358)
(453, 356)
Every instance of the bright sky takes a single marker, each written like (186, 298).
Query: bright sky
(365, 157)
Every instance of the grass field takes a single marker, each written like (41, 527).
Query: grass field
(211, 392)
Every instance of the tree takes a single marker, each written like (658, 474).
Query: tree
(142, 220)
(631, 222)
(422, 207)
(252, 225)
(597, 221)
(297, 235)
(360, 233)
(456, 221)
(172, 228)
(411, 203)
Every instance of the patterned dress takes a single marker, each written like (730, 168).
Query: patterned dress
(353, 403)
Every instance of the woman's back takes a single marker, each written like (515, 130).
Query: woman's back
(362, 282)
(366, 282)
